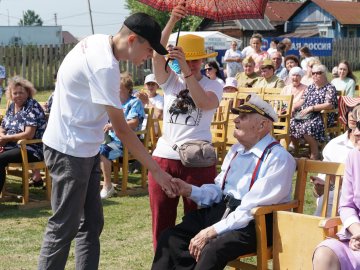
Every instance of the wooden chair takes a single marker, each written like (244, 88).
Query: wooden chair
(155, 133)
(271, 91)
(263, 252)
(248, 90)
(22, 170)
(296, 235)
(282, 105)
(219, 128)
(336, 128)
(127, 156)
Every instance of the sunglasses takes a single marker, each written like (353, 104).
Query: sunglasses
(317, 73)
(208, 69)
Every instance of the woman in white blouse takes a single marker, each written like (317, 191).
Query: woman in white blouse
(346, 80)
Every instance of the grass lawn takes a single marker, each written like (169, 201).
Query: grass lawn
(125, 241)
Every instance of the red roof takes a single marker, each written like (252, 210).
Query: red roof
(344, 12)
(280, 11)
(68, 38)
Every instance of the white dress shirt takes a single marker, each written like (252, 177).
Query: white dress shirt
(272, 186)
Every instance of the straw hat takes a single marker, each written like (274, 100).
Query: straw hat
(194, 47)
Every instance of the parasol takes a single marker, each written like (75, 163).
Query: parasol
(218, 10)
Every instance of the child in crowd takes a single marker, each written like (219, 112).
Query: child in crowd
(230, 85)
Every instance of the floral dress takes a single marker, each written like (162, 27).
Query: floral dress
(32, 115)
(314, 126)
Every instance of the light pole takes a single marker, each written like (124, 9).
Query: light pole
(91, 21)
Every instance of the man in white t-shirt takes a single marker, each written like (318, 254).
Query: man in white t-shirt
(86, 96)
(233, 58)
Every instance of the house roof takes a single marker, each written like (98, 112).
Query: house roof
(67, 38)
(279, 11)
(344, 12)
(304, 31)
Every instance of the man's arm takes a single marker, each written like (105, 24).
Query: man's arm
(129, 139)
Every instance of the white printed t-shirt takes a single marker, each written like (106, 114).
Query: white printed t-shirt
(157, 102)
(87, 80)
(181, 125)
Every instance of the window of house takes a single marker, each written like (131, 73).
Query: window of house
(351, 33)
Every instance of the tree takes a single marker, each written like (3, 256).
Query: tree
(190, 23)
(30, 18)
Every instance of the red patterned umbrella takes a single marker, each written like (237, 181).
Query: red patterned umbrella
(218, 10)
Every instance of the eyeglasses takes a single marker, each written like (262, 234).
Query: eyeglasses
(208, 69)
(317, 73)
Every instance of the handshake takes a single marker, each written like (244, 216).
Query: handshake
(179, 188)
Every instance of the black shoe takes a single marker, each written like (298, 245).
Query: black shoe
(33, 183)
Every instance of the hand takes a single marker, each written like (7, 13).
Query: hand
(198, 243)
(179, 12)
(164, 180)
(3, 139)
(317, 180)
(107, 127)
(143, 97)
(306, 111)
(354, 242)
(184, 189)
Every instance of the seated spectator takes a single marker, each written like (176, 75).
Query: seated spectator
(150, 98)
(346, 81)
(112, 148)
(233, 58)
(212, 71)
(296, 88)
(308, 123)
(258, 54)
(290, 62)
(337, 149)
(24, 119)
(280, 71)
(268, 79)
(306, 55)
(334, 72)
(249, 76)
(230, 85)
(308, 79)
(223, 223)
(344, 252)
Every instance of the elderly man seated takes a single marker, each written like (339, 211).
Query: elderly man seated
(256, 171)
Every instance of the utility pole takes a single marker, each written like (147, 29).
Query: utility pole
(55, 18)
(91, 21)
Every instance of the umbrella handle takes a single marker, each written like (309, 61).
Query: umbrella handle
(176, 43)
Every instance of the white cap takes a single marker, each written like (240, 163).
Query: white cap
(255, 104)
(232, 82)
(296, 71)
(150, 78)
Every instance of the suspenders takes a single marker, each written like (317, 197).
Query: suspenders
(255, 174)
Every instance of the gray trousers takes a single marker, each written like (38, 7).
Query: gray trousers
(77, 211)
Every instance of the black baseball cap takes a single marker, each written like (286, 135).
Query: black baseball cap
(146, 27)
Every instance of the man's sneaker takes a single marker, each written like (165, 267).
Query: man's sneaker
(107, 193)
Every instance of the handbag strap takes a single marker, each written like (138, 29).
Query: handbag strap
(255, 173)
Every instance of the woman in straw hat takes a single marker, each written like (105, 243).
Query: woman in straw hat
(190, 100)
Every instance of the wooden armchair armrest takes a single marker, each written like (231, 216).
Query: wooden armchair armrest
(26, 141)
(23, 144)
(267, 209)
(218, 122)
(329, 223)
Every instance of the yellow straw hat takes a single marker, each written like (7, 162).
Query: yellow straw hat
(194, 47)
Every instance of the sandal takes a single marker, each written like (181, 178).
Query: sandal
(34, 183)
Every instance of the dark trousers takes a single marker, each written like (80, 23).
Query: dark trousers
(173, 247)
(77, 212)
(12, 156)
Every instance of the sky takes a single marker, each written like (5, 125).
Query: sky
(73, 15)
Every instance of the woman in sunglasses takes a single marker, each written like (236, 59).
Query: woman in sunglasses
(212, 71)
(308, 123)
